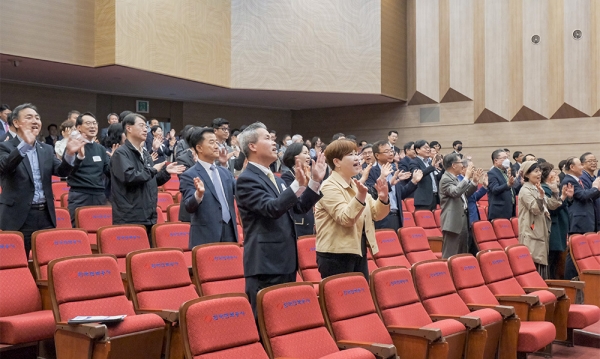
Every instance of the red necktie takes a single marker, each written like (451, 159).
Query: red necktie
(581, 183)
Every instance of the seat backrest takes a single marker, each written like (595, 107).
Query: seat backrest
(218, 268)
(59, 188)
(87, 285)
(349, 311)
(160, 216)
(523, 267)
(307, 258)
(63, 218)
(64, 200)
(594, 243)
(408, 220)
(222, 326)
(173, 213)
(497, 274)
(395, 298)
(514, 221)
(172, 184)
(240, 231)
(425, 219)
(291, 323)
(49, 244)
(482, 213)
(436, 289)
(390, 251)
(171, 235)
(504, 232)
(122, 239)
(437, 215)
(410, 204)
(469, 283)
(484, 236)
(582, 253)
(90, 218)
(19, 293)
(164, 200)
(158, 278)
(415, 245)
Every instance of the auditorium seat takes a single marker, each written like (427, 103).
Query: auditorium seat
(410, 204)
(415, 245)
(58, 189)
(172, 186)
(504, 232)
(23, 322)
(398, 305)
(588, 268)
(64, 200)
(350, 314)
(390, 251)
(594, 243)
(307, 260)
(218, 268)
(240, 232)
(482, 213)
(160, 216)
(121, 239)
(408, 220)
(484, 236)
(173, 213)
(440, 299)
(437, 215)
(178, 197)
(91, 286)
(371, 261)
(164, 200)
(90, 218)
(220, 326)
(63, 218)
(580, 315)
(292, 325)
(426, 220)
(159, 282)
(237, 213)
(532, 335)
(514, 221)
(173, 235)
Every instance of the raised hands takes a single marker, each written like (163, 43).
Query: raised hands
(417, 176)
(154, 156)
(301, 173)
(223, 156)
(361, 190)
(174, 168)
(470, 171)
(382, 189)
(74, 145)
(399, 176)
(365, 173)
(540, 190)
(156, 142)
(319, 168)
(478, 175)
(114, 148)
(567, 191)
(199, 187)
(385, 170)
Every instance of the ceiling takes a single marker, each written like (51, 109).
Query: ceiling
(124, 81)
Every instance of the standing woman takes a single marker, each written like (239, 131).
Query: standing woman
(344, 216)
(304, 222)
(559, 215)
(316, 147)
(534, 216)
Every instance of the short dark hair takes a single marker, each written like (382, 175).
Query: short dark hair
(114, 135)
(368, 145)
(337, 135)
(546, 169)
(570, 162)
(541, 160)
(187, 131)
(72, 112)
(4, 107)
(529, 154)
(111, 114)
(377, 146)
(66, 124)
(450, 158)
(421, 143)
(392, 131)
(129, 120)
(506, 150)
(497, 153)
(561, 164)
(516, 154)
(196, 136)
(15, 114)
(270, 131)
(434, 143)
(363, 141)
(338, 149)
(79, 120)
(154, 128)
(529, 170)
(351, 138)
(582, 158)
(289, 157)
(408, 145)
(123, 114)
(218, 122)
(52, 125)
(457, 142)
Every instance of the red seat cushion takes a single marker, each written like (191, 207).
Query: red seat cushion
(136, 323)
(533, 336)
(581, 316)
(488, 316)
(356, 353)
(236, 285)
(254, 351)
(28, 327)
(447, 326)
(545, 296)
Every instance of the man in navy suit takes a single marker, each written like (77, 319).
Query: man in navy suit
(404, 164)
(426, 195)
(208, 191)
(590, 165)
(501, 194)
(265, 205)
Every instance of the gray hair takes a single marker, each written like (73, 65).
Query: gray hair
(296, 138)
(248, 136)
(450, 158)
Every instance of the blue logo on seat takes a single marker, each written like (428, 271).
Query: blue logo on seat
(67, 241)
(497, 261)
(468, 267)
(437, 274)
(294, 303)
(224, 258)
(388, 240)
(101, 216)
(416, 235)
(126, 238)
(524, 255)
(164, 264)
(178, 234)
(351, 291)
(397, 282)
(223, 316)
(7, 246)
(97, 273)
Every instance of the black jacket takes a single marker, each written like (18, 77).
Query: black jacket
(185, 158)
(87, 175)
(581, 207)
(501, 197)
(134, 186)
(424, 194)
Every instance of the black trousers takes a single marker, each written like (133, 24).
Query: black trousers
(255, 283)
(337, 263)
(391, 221)
(78, 199)
(228, 232)
(36, 220)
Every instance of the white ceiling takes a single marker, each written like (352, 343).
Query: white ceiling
(119, 80)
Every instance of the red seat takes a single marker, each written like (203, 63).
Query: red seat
(173, 213)
(63, 218)
(307, 259)
(390, 251)
(58, 189)
(594, 243)
(482, 213)
(398, 306)
(240, 231)
(22, 320)
(484, 236)
(371, 261)
(91, 285)
(64, 200)
(91, 218)
(514, 221)
(173, 235)
(439, 297)
(164, 200)
(504, 232)
(437, 215)
(220, 327)
(49, 244)
(160, 216)
(469, 283)
(119, 240)
(408, 220)
(292, 326)
(426, 221)
(172, 186)
(218, 268)
(587, 267)
(350, 314)
(410, 204)
(415, 245)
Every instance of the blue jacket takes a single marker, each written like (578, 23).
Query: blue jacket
(587, 180)
(581, 207)
(500, 196)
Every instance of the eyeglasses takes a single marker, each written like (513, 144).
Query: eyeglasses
(224, 129)
(386, 151)
(591, 161)
(91, 123)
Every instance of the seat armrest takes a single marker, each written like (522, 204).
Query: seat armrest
(383, 351)
(558, 292)
(591, 271)
(467, 321)
(527, 298)
(123, 276)
(577, 284)
(431, 334)
(170, 316)
(504, 310)
(191, 271)
(90, 330)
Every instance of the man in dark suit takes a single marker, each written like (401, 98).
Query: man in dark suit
(409, 155)
(208, 191)
(515, 167)
(112, 118)
(54, 136)
(12, 131)
(426, 195)
(384, 157)
(4, 116)
(26, 169)
(590, 165)
(457, 146)
(265, 206)
(501, 194)
(185, 158)
(392, 138)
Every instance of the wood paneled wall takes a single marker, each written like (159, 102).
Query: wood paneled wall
(393, 49)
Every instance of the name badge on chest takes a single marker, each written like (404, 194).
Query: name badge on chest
(97, 159)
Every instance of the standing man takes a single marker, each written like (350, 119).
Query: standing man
(135, 178)
(26, 170)
(409, 155)
(4, 116)
(518, 157)
(265, 205)
(367, 155)
(426, 195)
(112, 118)
(208, 192)
(392, 138)
(453, 198)
(501, 195)
(12, 131)
(53, 136)
(86, 181)
(150, 146)
(457, 146)
(590, 165)
(222, 130)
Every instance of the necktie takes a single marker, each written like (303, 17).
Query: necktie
(581, 183)
(220, 194)
(272, 178)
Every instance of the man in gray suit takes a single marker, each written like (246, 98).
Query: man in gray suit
(453, 199)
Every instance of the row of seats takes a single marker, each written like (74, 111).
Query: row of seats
(585, 251)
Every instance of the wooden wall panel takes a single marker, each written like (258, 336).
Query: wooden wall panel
(393, 48)
(556, 59)
(105, 32)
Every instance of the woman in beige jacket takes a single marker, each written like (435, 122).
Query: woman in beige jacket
(534, 216)
(344, 216)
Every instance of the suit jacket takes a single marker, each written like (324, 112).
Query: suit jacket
(581, 208)
(185, 158)
(206, 219)
(103, 134)
(269, 231)
(588, 180)
(6, 137)
(424, 194)
(305, 222)
(16, 179)
(500, 196)
(51, 142)
(402, 190)
(453, 207)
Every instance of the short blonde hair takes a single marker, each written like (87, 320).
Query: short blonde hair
(338, 149)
